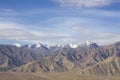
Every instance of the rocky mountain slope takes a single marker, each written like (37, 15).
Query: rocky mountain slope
(88, 59)
(110, 66)
(12, 56)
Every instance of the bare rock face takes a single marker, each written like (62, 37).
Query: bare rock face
(12, 56)
(110, 66)
(91, 59)
(47, 64)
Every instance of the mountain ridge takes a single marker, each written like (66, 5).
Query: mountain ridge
(61, 59)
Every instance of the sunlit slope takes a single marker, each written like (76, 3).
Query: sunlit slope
(19, 76)
(110, 66)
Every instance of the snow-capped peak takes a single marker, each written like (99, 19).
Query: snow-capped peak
(88, 43)
(73, 45)
(60, 45)
(47, 46)
(17, 45)
(38, 45)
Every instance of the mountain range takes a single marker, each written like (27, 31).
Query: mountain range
(86, 59)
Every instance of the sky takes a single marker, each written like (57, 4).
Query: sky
(59, 21)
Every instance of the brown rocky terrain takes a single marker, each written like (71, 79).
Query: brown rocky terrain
(86, 62)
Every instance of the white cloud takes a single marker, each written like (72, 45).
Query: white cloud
(13, 31)
(85, 3)
(102, 13)
(83, 30)
(22, 33)
(106, 35)
(107, 41)
(62, 29)
(8, 25)
(7, 12)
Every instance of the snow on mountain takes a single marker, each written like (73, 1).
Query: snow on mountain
(88, 43)
(73, 45)
(17, 45)
(47, 46)
(37, 45)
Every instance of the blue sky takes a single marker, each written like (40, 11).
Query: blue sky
(59, 21)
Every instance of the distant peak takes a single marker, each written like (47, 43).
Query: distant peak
(73, 45)
(17, 45)
(88, 43)
(94, 45)
(37, 45)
